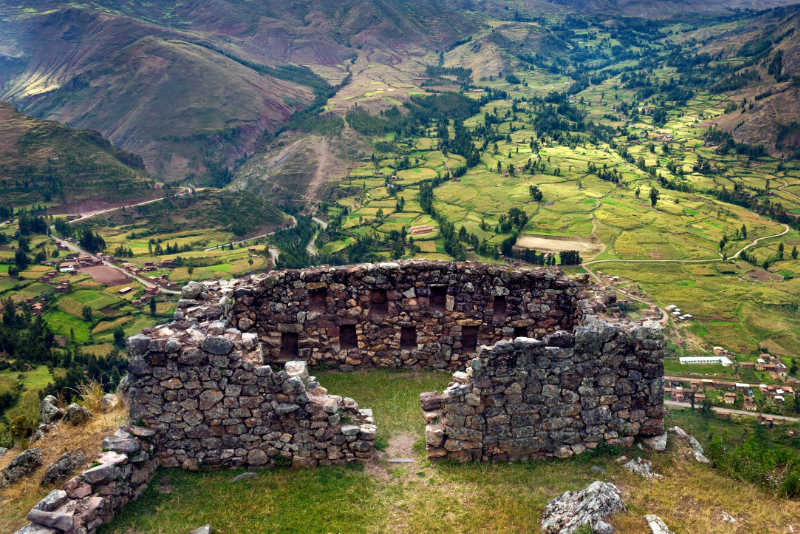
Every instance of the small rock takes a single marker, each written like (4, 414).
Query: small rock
(401, 461)
(727, 518)
(108, 402)
(33, 528)
(49, 410)
(643, 468)
(657, 525)
(297, 368)
(601, 527)
(205, 529)
(77, 414)
(697, 449)
(571, 510)
(192, 290)
(658, 443)
(3, 451)
(598, 469)
(243, 476)
(217, 345)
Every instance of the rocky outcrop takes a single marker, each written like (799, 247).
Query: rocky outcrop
(591, 506)
(85, 502)
(553, 397)
(49, 410)
(20, 467)
(109, 402)
(63, 467)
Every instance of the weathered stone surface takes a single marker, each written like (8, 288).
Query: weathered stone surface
(243, 476)
(57, 520)
(657, 525)
(643, 468)
(540, 399)
(3, 451)
(108, 402)
(53, 500)
(33, 528)
(192, 290)
(573, 509)
(205, 529)
(697, 449)
(217, 345)
(49, 411)
(658, 443)
(63, 467)
(20, 466)
(77, 414)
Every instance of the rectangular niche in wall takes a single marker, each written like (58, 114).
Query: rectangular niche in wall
(408, 337)
(348, 339)
(499, 307)
(520, 331)
(469, 338)
(438, 297)
(319, 298)
(289, 345)
(378, 303)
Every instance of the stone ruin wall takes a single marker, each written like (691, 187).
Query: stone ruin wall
(205, 391)
(557, 396)
(226, 384)
(404, 315)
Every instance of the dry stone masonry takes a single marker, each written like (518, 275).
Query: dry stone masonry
(226, 384)
(552, 397)
(405, 314)
(85, 502)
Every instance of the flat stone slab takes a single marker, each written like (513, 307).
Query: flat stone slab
(402, 461)
(243, 476)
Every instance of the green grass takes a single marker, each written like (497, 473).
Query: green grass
(64, 324)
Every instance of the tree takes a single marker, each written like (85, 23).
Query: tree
(153, 307)
(654, 196)
(536, 193)
(794, 252)
(87, 313)
(780, 251)
(638, 192)
(119, 337)
(744, 231)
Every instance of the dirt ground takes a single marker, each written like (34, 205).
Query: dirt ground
(558, 244)
(106, 275)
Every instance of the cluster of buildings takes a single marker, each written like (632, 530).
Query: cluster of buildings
(685, 389)
(74, 262)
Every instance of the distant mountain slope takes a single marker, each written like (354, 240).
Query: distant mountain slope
(767, 84)
(44, 161)
(194, 87)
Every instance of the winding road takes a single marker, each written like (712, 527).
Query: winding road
(717, 409)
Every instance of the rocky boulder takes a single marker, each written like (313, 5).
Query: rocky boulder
(63, 467)
(20, 466)
(49, 411)
(192, 290)
(77, 414)
(108, 402)
(591, 506)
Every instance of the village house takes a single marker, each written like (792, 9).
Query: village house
(729, 398)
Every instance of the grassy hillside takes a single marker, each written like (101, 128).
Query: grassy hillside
(43, 161)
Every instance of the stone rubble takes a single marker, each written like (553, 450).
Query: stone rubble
(556, 397)
(697, 449)
(20, 467)
(657, 443)
(86, 501)
(591, 506)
